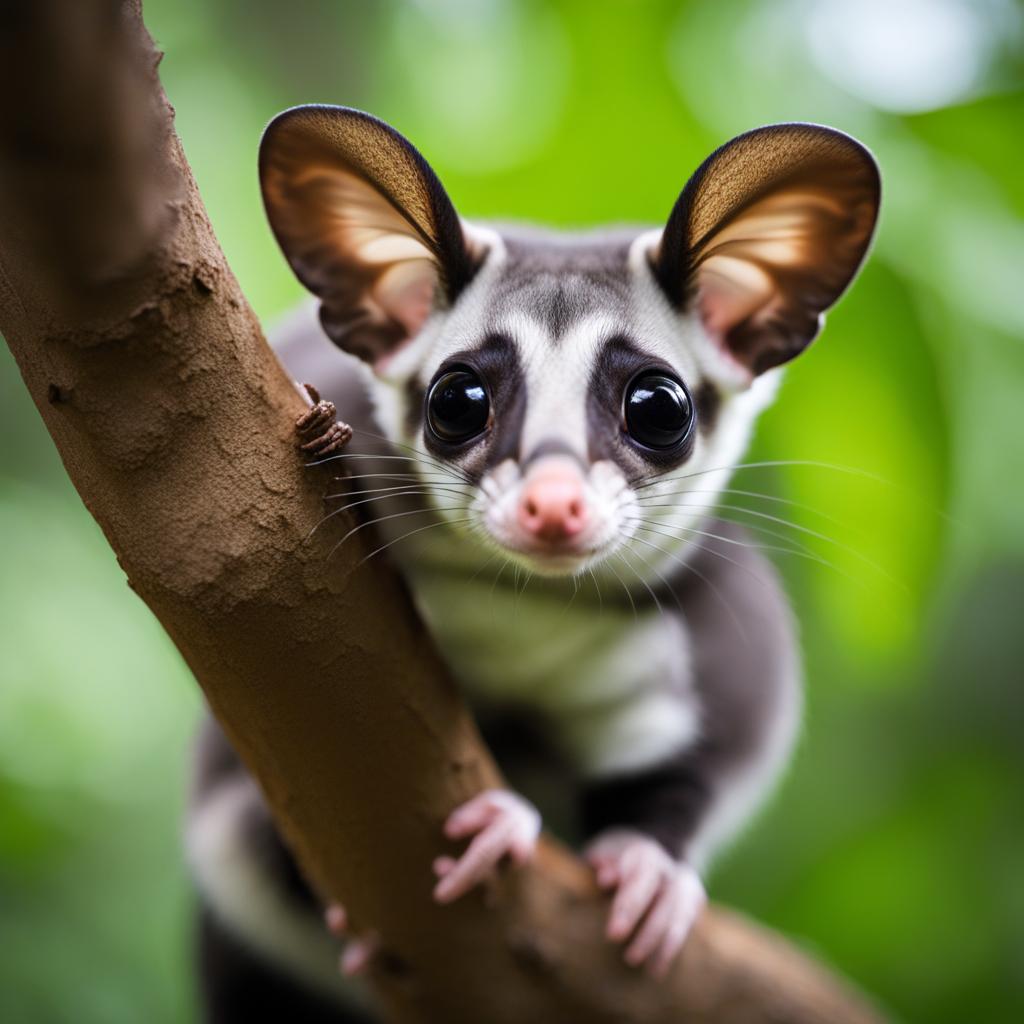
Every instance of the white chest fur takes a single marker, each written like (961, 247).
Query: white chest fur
(615, 685)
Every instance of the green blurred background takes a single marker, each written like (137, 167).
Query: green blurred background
(895, 849)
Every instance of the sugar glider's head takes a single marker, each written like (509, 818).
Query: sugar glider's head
(563, 382)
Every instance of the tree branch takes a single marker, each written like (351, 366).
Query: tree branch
(175, 423)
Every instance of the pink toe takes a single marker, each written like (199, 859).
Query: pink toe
(355, 958)
(336, 918)
(445, 892)
(442, 865)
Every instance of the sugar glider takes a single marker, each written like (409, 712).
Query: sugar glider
(542, 426)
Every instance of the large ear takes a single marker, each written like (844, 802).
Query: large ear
(766, 236)
(364, 223)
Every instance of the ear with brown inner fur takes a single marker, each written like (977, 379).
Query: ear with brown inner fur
(767, 234)
(364, 223)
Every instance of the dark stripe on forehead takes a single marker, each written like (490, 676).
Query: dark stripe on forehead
(559, 280)
(558, 302)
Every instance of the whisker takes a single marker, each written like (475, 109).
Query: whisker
(524, 575)
(405, 536)
(651, 479)
(527, 576)
(839, 545)
(397, 489)
(711, 551)
(363, 501)
(747, 494)
(394, 515)
(704, 579)
(493, 556)
(366, 456)
(363, 456)
(378, 497)
(695, 532)
(684, 508)
(632, 603)
(799, 547)
(412, 448)
(632, 568)
(647, 562)
(504, 566)
(597, 587)
(427, 477)
(757, 544)
(572, 597)
(717, 514)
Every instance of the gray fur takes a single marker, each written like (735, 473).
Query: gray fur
(738, 666)
(557, 279)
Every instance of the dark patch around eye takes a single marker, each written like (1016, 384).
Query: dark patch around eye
(415, 395)
(619, 361)
(496, 362)
(708, 400)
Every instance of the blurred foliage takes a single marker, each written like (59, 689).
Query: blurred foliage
(895, 847)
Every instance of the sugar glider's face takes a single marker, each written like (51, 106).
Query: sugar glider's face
(560, 387)
(570, 394)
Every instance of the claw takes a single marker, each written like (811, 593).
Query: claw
(319, 432)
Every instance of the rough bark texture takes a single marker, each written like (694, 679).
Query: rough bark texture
(175, 423)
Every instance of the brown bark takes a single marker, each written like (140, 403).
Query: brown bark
(175, 423)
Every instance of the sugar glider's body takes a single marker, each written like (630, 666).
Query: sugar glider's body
(555, 417)
(718, 646)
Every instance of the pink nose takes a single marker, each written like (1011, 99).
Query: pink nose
(553, 506)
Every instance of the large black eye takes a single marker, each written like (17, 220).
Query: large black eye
(457, 406)
(658, 410)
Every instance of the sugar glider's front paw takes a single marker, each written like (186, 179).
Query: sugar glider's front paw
(358, 952)
(502, 824)
(319, 432)
(656, 900)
